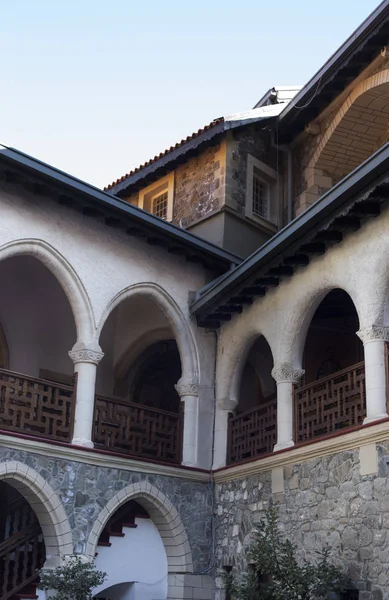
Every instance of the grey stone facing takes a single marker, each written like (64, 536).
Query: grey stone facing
(325, 502)
(85, 489)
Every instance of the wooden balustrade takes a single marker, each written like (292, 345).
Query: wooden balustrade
(252, 433)
(331, 403)
(36, 406)
(129, 428)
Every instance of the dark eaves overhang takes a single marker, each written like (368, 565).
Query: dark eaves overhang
(343, 209)
(41, 178)
(337, 73)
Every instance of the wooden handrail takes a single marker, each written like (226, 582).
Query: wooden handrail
(121, 402)
(322, 380)
(63, 386)
(247, 413)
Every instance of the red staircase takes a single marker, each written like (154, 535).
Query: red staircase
(123, 517)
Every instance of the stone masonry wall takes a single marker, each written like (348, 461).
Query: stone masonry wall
(85, 489)
(248, 140)
(199, 186)
(325, 502)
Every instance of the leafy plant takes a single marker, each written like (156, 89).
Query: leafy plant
(276, 574)
(73, 581)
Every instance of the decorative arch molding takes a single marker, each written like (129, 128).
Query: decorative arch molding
(380, 78)
(180, 326)
(164, 515)
(46, 505)
(231, 369)
(296, 327)
(66, 276)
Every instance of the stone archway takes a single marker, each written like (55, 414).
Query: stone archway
(47, 506)
(164, 515)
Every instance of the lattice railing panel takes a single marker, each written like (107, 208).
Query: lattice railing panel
(252, 433)
(35, 406)
(331, 403)
(129, 428)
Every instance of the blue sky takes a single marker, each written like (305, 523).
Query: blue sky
(96, 87)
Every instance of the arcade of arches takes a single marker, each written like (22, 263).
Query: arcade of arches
(330, 396)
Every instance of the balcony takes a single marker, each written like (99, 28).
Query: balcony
(45, 410)
(325, 406)
(252, 433)
(330, 404)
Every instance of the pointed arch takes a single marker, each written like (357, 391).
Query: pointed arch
(164, 515)
(66, 276)
(47, 506)
(179, 324)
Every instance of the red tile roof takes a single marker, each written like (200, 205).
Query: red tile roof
(181, 143)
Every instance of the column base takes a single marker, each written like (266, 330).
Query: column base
(283, 445)
(374, 418)
(82, 442)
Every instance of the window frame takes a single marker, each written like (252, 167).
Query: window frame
(257, 168)
(159, 187)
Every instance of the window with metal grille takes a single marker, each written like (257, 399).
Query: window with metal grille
(260, 196)
(160, 205)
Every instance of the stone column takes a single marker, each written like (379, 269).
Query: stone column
(224, 408)
(189, 394)
(374, 338)
(286, 377)
(85, 365)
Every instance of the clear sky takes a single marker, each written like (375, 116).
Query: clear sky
(96, 87)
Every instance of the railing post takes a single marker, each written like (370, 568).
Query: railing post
(189, 394)
(286, 377)
(374, 338)
(85, 365)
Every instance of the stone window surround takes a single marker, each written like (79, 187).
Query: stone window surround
(270, 178)
(149, 193)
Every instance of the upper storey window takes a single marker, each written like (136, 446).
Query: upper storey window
(261, 198)
(157, 198)
(160, 205)
(261, 195)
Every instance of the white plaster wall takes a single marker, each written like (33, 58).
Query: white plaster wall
(359, 265)
(104, 263)
(140, 558)
(36, 317)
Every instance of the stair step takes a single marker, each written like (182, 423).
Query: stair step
(130, 525)
(117, 534)
(107, 544)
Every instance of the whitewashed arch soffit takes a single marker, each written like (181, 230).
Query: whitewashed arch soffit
(179, 324)
(66, 276)
(232, 357)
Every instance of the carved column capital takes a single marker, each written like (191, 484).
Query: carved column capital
(287, 373)
(373, 333)
(81, 354)
(187, 388)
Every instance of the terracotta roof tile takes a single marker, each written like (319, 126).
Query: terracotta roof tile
(146, 164)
